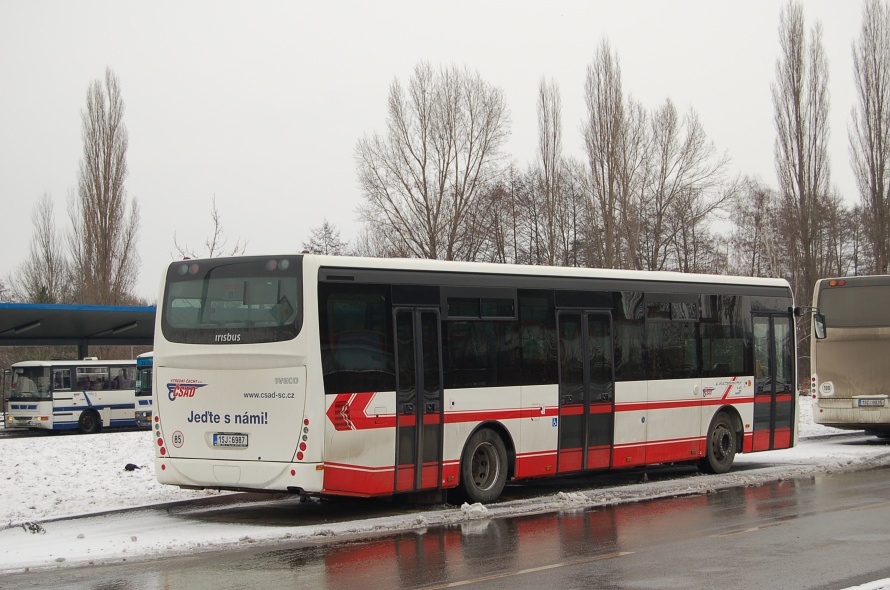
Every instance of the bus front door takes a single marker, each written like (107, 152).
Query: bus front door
(586, 390)
(775, 382)
(419, 424)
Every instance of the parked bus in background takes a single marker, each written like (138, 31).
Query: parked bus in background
(143, 390)
(85, 395)
(849, 353)
(371, 377)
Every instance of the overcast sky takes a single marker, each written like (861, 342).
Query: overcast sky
(260, 104)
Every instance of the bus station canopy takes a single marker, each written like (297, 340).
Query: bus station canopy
(37, 324)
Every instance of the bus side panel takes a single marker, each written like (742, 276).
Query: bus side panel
(359, 441)
(674, 432)
(631, 417)
(536, 453)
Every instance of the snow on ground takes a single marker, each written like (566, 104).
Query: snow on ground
(46, 478)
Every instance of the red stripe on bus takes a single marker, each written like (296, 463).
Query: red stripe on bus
(349, 411)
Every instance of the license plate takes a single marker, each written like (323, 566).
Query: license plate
(871, 403)
(229, 440)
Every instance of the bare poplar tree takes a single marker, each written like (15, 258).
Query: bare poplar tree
(801, 101)
(423, 179)
(869, 132)
(326, 240)
(104, 222)
(616, 142)
(215, 245)
(550, 153)
(603, 135)
(43, 278)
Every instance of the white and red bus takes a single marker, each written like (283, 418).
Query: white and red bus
(369, 377)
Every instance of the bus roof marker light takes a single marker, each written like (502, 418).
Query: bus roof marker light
(194, 268)
(284, 264)
(271, 265)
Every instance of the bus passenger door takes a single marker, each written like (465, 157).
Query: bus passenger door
(775, 382)
(586, 390)
(418, 399)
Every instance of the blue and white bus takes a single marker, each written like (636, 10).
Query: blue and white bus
(143, 390)
(84, 395)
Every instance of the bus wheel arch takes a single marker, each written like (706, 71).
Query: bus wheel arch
(486, 463)
(89, 422)
(723, 440)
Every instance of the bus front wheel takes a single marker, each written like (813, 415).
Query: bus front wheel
(89, 422)
(720, 445)
(483, 467)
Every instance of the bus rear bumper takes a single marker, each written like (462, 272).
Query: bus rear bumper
(240, 475)
(851, 417)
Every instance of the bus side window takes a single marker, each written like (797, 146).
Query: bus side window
(62, 379)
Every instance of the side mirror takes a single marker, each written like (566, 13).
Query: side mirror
(819, 326)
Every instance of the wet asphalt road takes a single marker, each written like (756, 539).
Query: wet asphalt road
(828, 531)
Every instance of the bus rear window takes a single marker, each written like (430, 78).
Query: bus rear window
(855, 306)
(228, 301)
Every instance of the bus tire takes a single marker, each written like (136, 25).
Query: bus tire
(483, 467)
(89, 422)
(720, 445)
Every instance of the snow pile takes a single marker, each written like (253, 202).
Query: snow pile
(474, 510)
(67, 474)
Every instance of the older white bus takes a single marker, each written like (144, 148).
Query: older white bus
(368, 377)
(849, 349)
(85, 395)
(144, 375)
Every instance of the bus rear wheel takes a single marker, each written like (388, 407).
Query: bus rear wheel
(720, 446)
(89, 422)
(483, 467)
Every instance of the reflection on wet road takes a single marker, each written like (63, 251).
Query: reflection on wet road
(825, 531)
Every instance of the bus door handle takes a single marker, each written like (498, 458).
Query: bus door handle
(432, 407)
(408, 409)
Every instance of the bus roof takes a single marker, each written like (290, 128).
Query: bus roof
(444, 266)
(75, 363)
